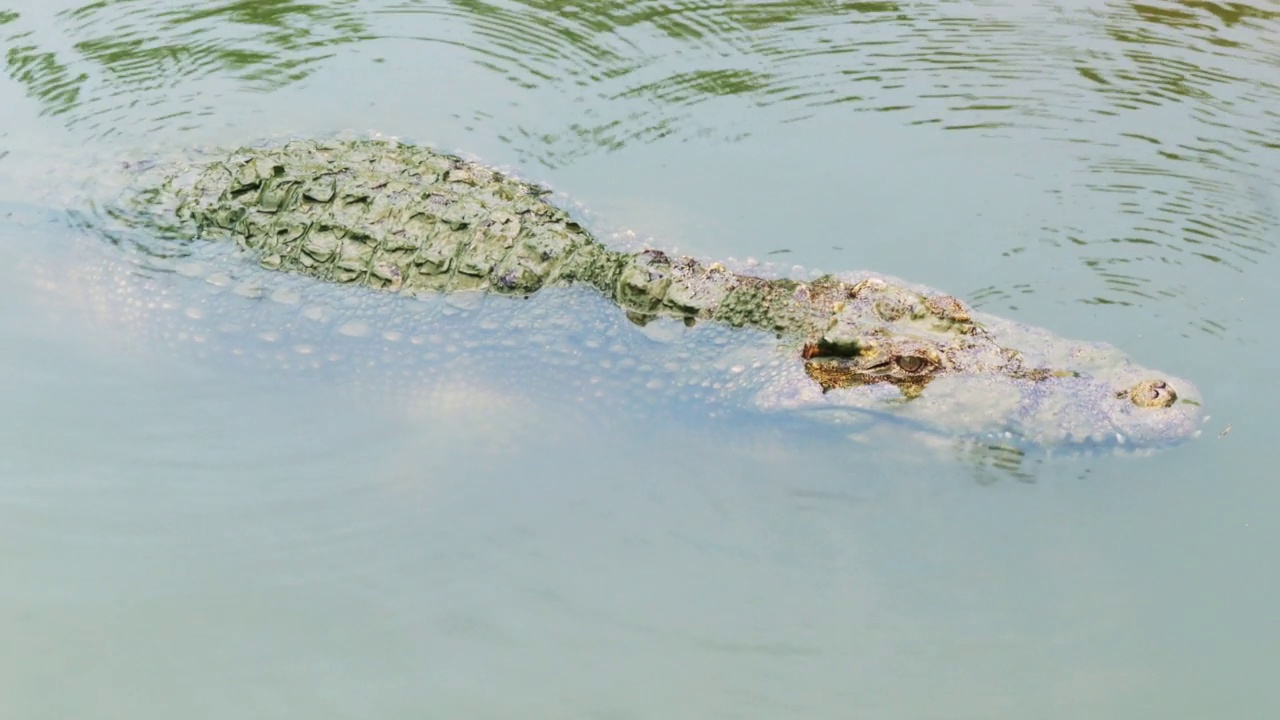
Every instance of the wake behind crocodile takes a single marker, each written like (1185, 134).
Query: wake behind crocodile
(440, 257)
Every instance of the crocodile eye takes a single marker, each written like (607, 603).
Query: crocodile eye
(912, 364)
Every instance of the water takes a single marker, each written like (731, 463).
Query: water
(519, 530)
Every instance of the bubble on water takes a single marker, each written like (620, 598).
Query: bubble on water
(355, 328)
(286, 296)
(190, 269)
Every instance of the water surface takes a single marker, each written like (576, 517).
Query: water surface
(540, 528)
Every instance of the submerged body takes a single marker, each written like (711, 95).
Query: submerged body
(405, 219)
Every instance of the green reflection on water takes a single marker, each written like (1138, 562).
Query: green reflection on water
(145, 52)
(955, 65)
(285, 48)
(57, 86)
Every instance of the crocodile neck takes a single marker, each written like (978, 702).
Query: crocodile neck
(650, 284)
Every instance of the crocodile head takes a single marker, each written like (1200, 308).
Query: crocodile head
(926, 358)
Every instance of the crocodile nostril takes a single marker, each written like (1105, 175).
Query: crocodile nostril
(1152, 393)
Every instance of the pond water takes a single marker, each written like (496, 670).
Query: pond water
(495, 512)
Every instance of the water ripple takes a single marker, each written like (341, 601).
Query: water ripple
(957, 66)
(1167, 109)
(136, 66)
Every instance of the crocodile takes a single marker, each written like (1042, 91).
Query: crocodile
(403, 218)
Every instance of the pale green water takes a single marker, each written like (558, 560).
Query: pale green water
(189, 533)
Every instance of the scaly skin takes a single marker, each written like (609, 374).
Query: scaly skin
(405, 219)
